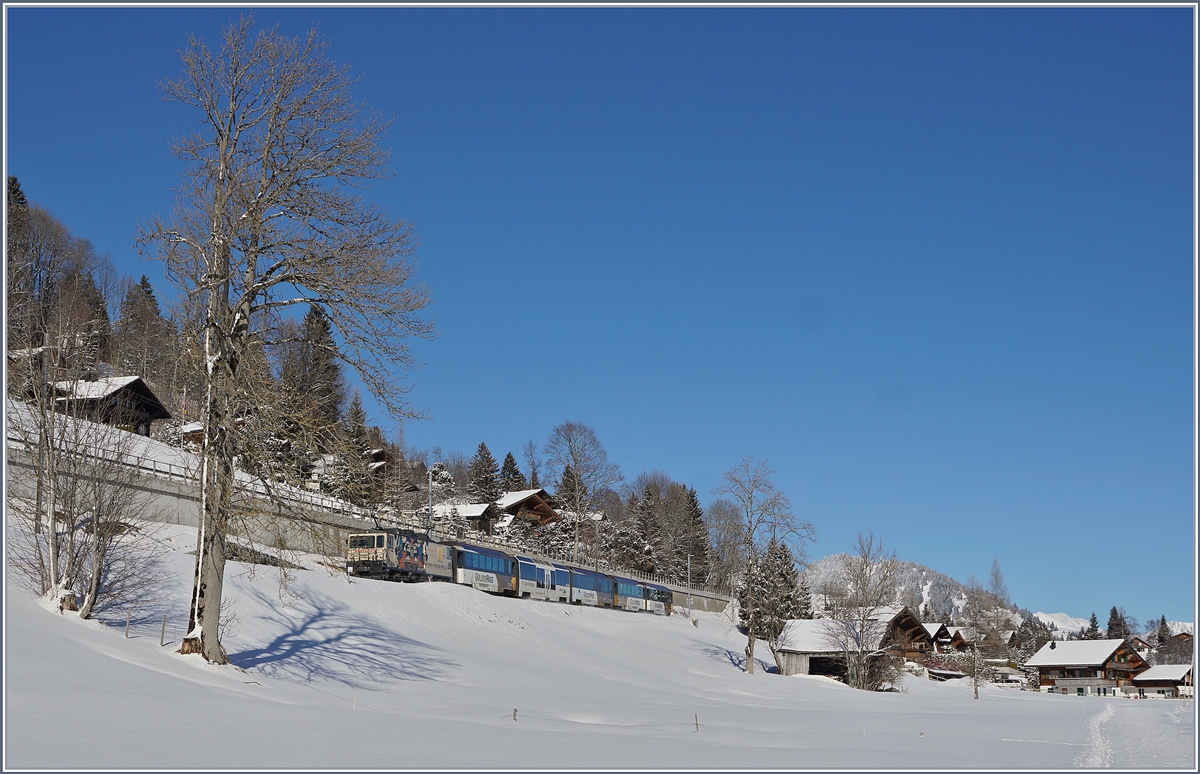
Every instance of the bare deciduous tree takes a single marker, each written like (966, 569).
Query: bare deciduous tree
(763, 513)
(267, 219)
(856, 615)
(574, 446)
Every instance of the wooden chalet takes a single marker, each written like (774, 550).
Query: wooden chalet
(529, 504)
(939, 637)
(1166, 681)
(1088, 667)
(907, 636)
(126, 402)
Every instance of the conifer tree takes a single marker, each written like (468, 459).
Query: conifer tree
(1092, 632)
(697, 541)
(804, 597)
(483, 477)
(511, 478)
(1117, 630)
(1163, 633)
(143, 335)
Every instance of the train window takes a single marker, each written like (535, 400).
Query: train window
(362, 541)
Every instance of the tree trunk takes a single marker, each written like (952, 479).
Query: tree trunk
(93, 587)
(750, 651)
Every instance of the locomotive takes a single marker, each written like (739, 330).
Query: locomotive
(403, 555)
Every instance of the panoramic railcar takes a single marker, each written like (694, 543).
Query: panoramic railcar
(485, 569)
(630, 595)
(659, 599)
(591, 588)
(560, 584)
(388, 554)
(534, 578)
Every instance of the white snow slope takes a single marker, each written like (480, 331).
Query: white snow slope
(369, 674)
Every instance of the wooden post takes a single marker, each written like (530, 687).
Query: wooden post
(514, 716)
(127, 614)
(697, 722)
(163, 636)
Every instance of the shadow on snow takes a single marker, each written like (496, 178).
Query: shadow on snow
(328, 642)
(732, 657)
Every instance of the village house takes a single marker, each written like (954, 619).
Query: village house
(126, 402)
(939, 637)
(1166, 681)
(1087, 667)
(529, 504)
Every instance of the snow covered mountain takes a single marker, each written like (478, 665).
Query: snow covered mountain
(920, 587)
(1063, 622)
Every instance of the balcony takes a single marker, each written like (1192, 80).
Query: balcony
(1084, 682)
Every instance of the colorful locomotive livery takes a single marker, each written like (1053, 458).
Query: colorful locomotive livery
(394, 554)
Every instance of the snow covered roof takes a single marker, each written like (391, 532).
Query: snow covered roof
(815, 635)
(1074, 653)
(1164, 672)
(512, 498)
(100, 388)
(465, 510)
(192, 427)
(933, 629)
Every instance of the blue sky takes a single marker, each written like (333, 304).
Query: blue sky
(934, 265)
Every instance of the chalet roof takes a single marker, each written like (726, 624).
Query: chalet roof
(1074, 653)
(814, 635)
(466, 510)
(192, 427)
(934, 629)
(104, 387)
(1174, 672)
(90, 390)
(509, 499)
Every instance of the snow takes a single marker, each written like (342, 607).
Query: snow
(509, 499)
(1179, 627)
(369, 674)
(1165, 672)
(1074, 653)
(98, 388)
(1064, 622)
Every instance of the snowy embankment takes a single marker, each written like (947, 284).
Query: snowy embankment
(366, 674)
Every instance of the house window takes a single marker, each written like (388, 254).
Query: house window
(1080, 691)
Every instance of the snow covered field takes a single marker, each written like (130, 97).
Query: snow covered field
(367, 674)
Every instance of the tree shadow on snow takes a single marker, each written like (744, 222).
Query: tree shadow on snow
(732, 657)
(329, 642)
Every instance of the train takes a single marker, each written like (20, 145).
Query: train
(404, 555)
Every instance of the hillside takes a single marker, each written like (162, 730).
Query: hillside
(919, 586)
(371, 674)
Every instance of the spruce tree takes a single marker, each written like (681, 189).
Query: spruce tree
(143, 336)
(511, 478)
(1116, 625)
(321, 377)
(1164, 632)
(483, 477)
(567, 485)
(696, 538)
(1093, 629)
(804, 597)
